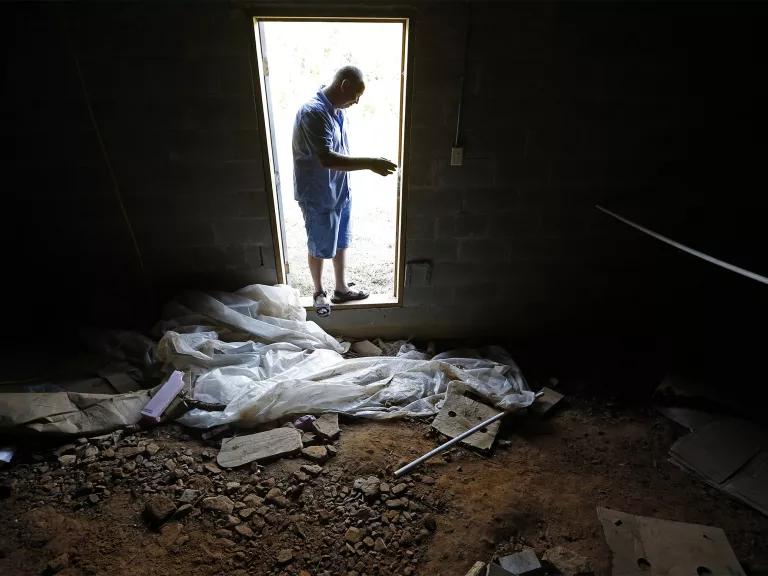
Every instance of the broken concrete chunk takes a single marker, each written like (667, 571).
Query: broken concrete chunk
(366, 348)
(158, 509)
(275, 496)
(67, 459)
(460, 413)
(370, 486)
(284, 556)
(353, 535)
(327, 426)
(317, 454)
(311, 469)
(218, 504)
(522, 563)
(260, 446)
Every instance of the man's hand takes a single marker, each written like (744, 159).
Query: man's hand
(382, 166)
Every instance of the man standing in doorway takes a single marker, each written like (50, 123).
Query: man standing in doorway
(321, 161)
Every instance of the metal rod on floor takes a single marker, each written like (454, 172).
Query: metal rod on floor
(452, 441)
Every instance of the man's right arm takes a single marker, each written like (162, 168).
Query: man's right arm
(334, 161)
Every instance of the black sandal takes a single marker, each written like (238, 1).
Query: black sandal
(349, 295)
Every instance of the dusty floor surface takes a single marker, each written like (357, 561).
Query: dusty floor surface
(539, 488)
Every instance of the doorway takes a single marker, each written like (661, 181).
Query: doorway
(295, 58)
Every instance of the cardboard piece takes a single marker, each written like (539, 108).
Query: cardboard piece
(70, 413)
(260, 446)
(731, 455)
(460, 413)
(643, 546)
(719, 449)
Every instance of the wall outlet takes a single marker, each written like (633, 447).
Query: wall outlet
(457, 156)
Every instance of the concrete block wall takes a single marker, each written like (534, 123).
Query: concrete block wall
(565, 105)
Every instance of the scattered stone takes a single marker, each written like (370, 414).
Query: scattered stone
(327, 426)
(93, 498)
(129, 451)
(218, 504)
(370, 486)
(246, 513)
(284, 556)
(152, 449)
(368, 541)
(253, 501)
(158, 509)
(317, 454)
(67, 459)
(311, 469)
(353, 535)
(275, 496)
(244, 530)
(189, 496)
(379, 545)
(397, 503)
(309, 439)
(428, 480)
(212, 468)
(398, 489)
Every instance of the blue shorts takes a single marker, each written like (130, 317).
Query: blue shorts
(327, 230)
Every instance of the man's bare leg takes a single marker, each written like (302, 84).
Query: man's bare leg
(316, 270)
(340, 269)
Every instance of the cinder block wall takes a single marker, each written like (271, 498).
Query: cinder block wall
(565, 105)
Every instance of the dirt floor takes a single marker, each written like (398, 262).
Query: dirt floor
(539, 488)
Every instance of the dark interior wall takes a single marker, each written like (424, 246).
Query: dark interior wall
(653, 110)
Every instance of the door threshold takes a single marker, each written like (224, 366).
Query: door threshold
(373, 301)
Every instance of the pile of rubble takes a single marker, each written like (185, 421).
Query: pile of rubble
(316, 517)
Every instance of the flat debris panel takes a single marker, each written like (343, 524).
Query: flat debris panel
(260, 446)
(460, 413)
(643, 546)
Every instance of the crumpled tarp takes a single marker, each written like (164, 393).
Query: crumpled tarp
(290, 366)
(254, 352)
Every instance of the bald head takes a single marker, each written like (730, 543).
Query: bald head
(350, 73)
(347, 87)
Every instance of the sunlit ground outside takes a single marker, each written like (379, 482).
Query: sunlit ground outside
(303, 56)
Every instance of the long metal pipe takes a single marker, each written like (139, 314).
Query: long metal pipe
(452, 441)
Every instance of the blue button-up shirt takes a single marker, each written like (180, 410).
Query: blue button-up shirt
(319, 127)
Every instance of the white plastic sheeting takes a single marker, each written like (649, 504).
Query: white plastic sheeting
(291, 366)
